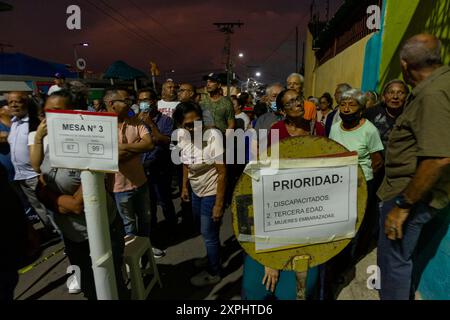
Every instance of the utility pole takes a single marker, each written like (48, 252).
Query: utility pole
(228, 29)
(303, 60)
(296, 49)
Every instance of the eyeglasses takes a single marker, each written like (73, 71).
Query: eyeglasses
(398, 93)
(293, 103)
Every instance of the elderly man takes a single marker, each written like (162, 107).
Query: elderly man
(168, 101)
(25, 120)
(295, 82)
(219, 106)
(417, 181)
(267, 120)
(187, 92)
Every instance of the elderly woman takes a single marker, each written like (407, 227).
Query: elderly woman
(384, 115)
(261, 282)
(360, 135)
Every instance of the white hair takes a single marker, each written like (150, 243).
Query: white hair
(273, 85)
(297, 75)
(357, 95)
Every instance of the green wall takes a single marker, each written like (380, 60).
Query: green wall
(405, 18)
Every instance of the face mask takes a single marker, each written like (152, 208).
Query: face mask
(144, 106)
(189, 126)
(351, 120)
(273, 106)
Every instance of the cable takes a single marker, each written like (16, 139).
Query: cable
(130, 30)
(282, 42)
(278, 47)
(147, 15)
(137, 27)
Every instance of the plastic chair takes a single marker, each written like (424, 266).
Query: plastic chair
(135, 249)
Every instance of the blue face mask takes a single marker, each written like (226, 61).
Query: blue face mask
(273, 106)
(144, 107)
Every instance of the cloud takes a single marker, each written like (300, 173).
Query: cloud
(185, 27)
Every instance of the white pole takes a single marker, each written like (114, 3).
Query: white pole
(94, 195)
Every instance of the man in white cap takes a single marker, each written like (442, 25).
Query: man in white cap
(59, 81)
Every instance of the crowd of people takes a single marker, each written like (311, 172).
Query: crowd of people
(400, 137)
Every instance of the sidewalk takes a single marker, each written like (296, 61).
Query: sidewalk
(47, 281)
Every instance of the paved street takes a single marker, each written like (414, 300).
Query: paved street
(47, 281)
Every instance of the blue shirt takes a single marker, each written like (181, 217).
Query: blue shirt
(5, 156)
(20, 154)
(160, 153)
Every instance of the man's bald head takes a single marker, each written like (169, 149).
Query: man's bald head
(169, 92)
(421, 51)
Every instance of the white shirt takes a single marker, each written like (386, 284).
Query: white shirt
(167, 107)
(54, 88)
(244, 118)
(201, 157)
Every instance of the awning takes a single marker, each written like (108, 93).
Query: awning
(7, 86)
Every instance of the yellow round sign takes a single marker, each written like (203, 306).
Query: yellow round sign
(300, 258)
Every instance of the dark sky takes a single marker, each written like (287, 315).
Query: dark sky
(176, 34)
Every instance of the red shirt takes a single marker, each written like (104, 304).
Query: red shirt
(282, 131)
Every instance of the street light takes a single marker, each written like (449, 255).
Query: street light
(241, 55)
(258, 74)
(75, 53)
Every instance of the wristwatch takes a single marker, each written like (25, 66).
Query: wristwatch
(402, 203)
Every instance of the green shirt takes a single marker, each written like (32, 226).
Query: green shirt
(365, 140)
(222, 111)
(423, 130)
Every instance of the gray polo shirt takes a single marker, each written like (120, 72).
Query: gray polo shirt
(67, 182)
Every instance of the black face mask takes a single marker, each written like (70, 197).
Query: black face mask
(189, 126)
(350, 120)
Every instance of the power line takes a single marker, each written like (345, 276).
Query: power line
(147, 15)
(283, 41)
(128, 28)
(278, 47)
(137, 27)
(131, 31)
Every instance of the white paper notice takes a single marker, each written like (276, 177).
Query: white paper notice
(83, 140)
(304, 206)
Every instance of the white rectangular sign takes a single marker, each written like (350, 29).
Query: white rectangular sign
(83, 140)
(304, 206)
